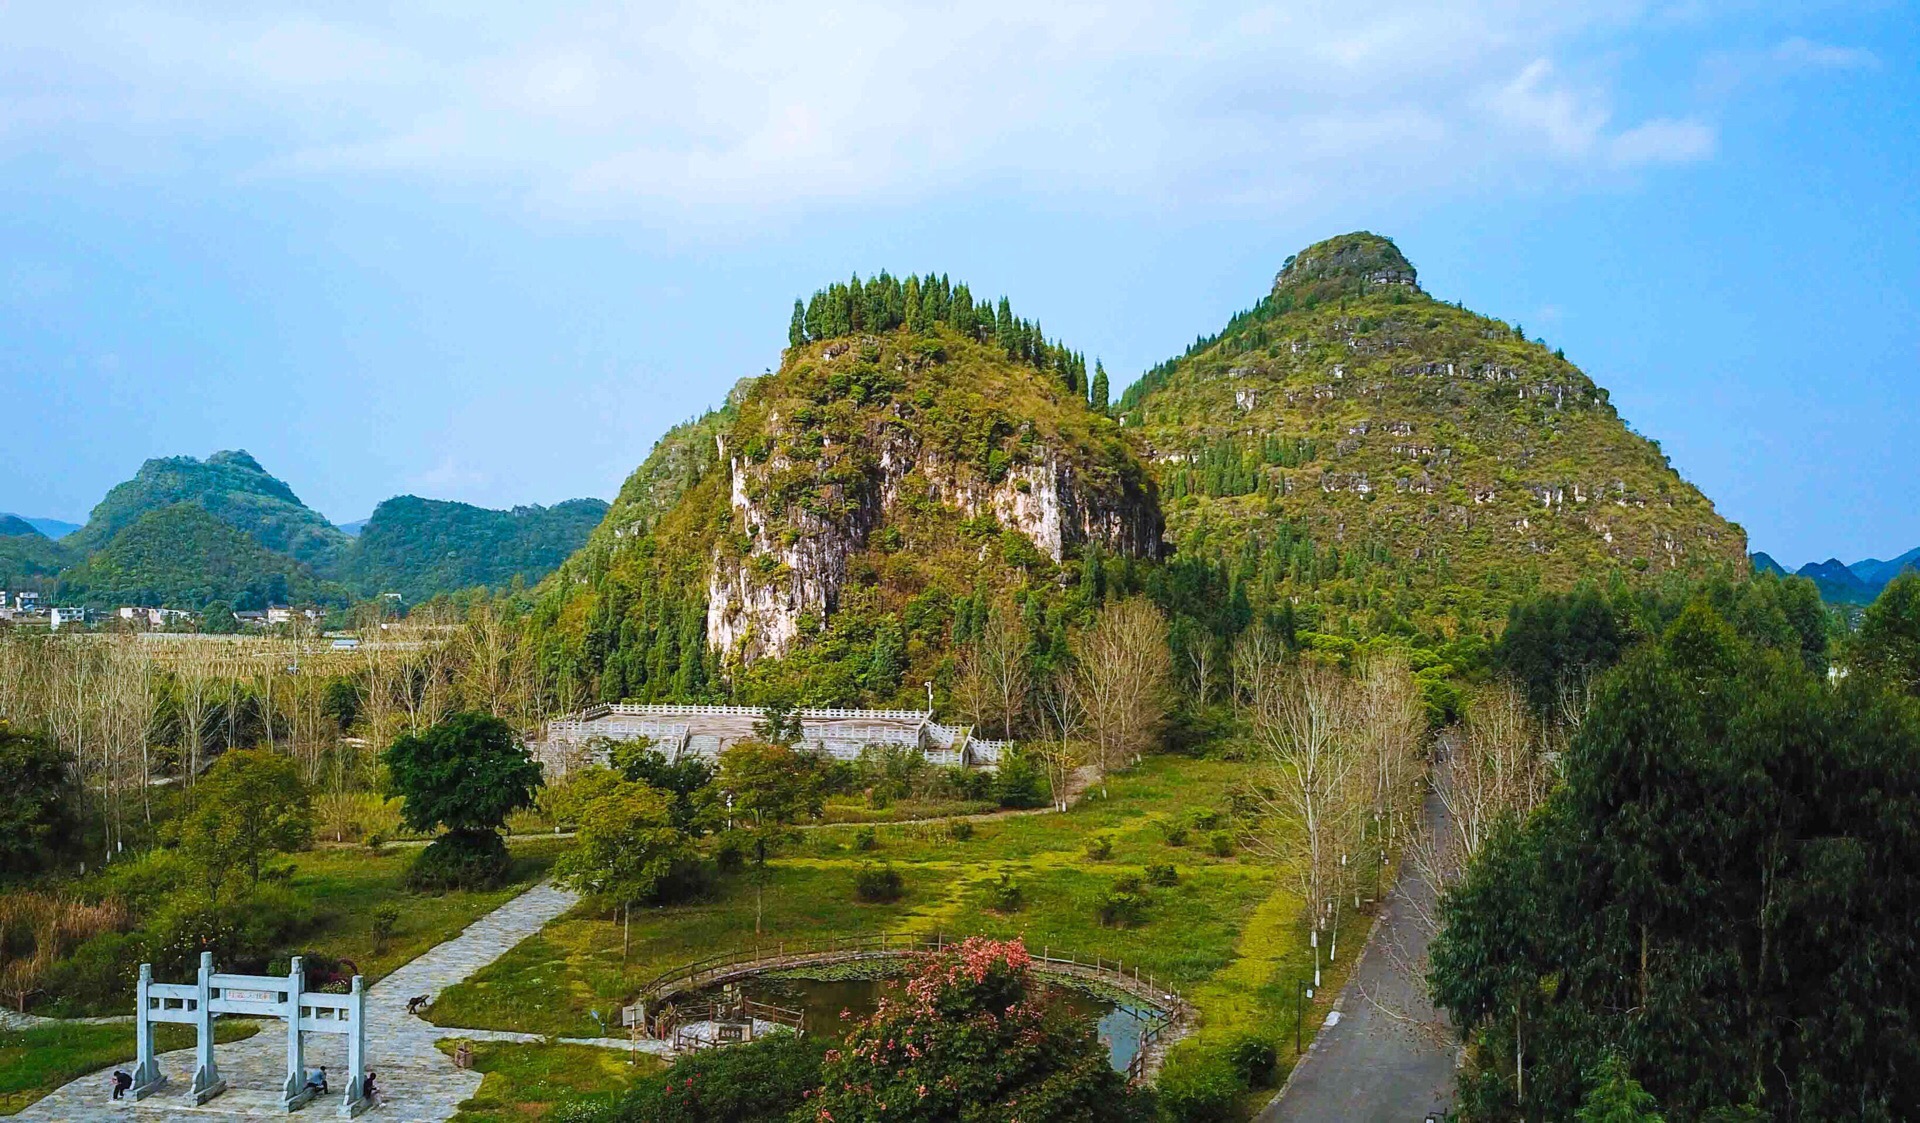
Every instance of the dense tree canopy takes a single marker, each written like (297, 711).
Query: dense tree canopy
(467, 773)
(1888, 644)
(885, 303)
(1726, 890)
(38, 803)
(250, 805)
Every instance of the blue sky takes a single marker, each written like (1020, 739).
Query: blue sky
(490, 257)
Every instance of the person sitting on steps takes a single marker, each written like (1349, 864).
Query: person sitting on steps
(317, 1080)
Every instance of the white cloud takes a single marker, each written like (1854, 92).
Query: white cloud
(447, 478)
(719, 109)
(1800, 53)
(1662, 141)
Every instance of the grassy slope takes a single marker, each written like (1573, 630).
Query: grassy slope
(36, 1061)
(346, 885)
(1230, 933)
(1456, 465)
(522, 1083)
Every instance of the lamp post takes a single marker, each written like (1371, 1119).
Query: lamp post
(1301, 994)
(929, 685)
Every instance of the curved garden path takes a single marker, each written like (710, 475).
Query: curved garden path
(418, 1082)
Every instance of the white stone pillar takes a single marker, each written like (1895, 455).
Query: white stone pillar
(147, 1077)
(296, 1092)
(355, 1100)
(206, 1075)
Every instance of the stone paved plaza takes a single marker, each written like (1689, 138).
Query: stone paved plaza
(417, 1082)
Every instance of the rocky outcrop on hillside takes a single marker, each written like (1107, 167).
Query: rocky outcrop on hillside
(796, 560)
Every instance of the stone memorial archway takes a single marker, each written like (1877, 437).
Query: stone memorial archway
(258, 996)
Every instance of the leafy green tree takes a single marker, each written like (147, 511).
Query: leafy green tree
(217, 619)
(1730, 827)
(770, 786)
(251, 805)
(762, 1080)
(1617, 1097)
(1101, 391)
(797, 329)
(626, 845)
(1888, 643)
(971, 1037)
(39, 805)
(467, 773)
(687, 782)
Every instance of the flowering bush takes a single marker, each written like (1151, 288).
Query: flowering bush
(971, 1037)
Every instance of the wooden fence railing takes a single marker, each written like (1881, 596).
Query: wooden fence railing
(1159, 996)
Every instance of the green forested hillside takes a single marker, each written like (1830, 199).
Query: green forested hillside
(183, 557)
(420, 548)
(1391, 462)
(231, 486)
(28, 558)
(842, 521)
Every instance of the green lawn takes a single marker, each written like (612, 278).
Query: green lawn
(1230, 933)
(35, 1061)
(347, 885)
(524, 1082)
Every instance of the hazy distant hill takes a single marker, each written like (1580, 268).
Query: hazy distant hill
(419, 547)
(1876, 573)
(55, 529)
(181, 556)
(1840, 583)
(28, 558)
(230, 486)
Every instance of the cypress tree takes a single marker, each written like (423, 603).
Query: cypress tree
(1006, 331)
(1099, 386)
(797, 330)
(916, 308)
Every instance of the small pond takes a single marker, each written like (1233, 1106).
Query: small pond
(823, 1000)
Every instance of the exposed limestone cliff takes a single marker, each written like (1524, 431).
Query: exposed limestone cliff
(810, 487)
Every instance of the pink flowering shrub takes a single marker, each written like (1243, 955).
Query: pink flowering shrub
(971, 1037)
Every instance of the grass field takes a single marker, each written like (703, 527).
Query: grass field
(35, 1061)
(346, 886)
(523, 1083)
(1230, 934)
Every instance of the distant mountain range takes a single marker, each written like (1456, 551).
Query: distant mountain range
(184, 533)
(55, 529)
(1841, 583)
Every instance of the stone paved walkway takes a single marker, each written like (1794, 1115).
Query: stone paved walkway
(418, 1082)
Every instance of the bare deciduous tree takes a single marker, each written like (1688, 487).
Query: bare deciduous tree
(1122, 681)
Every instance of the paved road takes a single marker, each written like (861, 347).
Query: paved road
(420, 1083)
(1376, 1065)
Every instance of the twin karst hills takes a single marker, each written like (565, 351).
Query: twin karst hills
(1351, 452)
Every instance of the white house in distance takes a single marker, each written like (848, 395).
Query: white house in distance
(707, 731)
(155, 617)
(58, 618)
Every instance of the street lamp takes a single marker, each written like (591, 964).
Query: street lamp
(929, 685)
